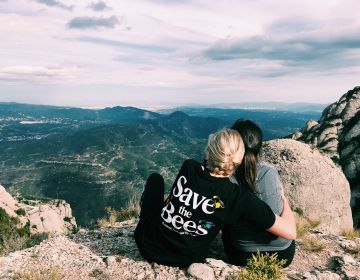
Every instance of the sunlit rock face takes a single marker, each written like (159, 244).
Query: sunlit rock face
(313, 183)
(338, 134)
(52, 216)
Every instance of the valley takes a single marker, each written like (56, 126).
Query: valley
(99, 158)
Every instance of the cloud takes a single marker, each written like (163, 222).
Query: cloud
(38, 73)
(99, 6)
(55, 3)
(127, 45)
(93, 22)
(318, 49)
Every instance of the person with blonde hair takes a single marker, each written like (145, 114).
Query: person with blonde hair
(179, 231)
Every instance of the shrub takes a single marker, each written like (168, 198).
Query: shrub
(20, 212)
(67, 219)
(351, 233)
(262, 267)
(36, 239)
(132, 210)
(41, 274)
(15, 238)
(313, 244)
(304, 225)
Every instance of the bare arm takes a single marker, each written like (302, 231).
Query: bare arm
(284, 225)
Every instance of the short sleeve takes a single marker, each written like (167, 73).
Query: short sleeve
(270, 187)
(251, 209)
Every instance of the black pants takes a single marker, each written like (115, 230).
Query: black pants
(152, 199)
(151, 203)
(240, 258)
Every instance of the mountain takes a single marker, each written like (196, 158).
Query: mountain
(94, 158)
(273, 106)
(337, 133)
(98, 158)
(274, 123)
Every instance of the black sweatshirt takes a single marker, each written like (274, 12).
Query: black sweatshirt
(195, 211)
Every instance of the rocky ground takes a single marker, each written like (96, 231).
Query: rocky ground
(112, 254)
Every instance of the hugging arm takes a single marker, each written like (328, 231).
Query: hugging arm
(284, 225)
(257, 212)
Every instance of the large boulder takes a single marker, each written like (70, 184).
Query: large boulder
(312, 182)
(54, 216)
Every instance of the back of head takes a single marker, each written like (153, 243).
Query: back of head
(224, 151)
(252, 137)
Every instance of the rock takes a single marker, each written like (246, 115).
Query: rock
(338, 135)
(327, 275)
(312, 182)
(216, 263)
(8, 203)
(201, 271)
(348, 245)
(115, 256)
(346, 266)
(54, 217)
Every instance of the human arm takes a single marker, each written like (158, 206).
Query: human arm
(284, 225)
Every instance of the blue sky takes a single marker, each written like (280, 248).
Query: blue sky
(154, 53)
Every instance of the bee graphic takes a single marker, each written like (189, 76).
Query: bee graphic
(217, 202)
(206, 225)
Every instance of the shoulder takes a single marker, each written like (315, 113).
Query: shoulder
(190, 165)
(264, 168)
(191, 162)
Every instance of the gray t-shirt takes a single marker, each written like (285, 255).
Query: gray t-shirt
(247, 237)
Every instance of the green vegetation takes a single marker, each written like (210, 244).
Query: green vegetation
(15, 238)
(262, 267)
(67, 219)
(40, 274)
(20, 212)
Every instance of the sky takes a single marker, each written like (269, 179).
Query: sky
(158, 53)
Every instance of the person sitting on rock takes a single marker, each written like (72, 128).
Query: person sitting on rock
(179, 231)
(245, 238)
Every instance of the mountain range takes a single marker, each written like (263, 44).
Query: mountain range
(99, 158)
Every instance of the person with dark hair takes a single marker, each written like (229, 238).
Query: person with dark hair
(244, 239)
(202, 199)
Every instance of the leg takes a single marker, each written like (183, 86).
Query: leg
(287, 254)
(152, 198)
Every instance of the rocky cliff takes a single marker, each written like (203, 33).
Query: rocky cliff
(53, 216)
(112, 254)
(337, 133)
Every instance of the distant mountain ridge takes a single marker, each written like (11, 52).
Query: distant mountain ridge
(300, 107)
(274, 123)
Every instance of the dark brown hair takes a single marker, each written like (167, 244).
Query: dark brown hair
(252, 136)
